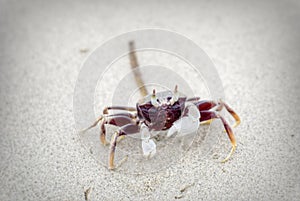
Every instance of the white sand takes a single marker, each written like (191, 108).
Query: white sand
(255, 47)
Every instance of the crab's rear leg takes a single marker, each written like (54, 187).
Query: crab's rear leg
(209, 115)
(124, 130)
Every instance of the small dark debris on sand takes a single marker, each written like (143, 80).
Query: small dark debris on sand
(86, 194)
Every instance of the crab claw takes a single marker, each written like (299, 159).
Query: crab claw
(192, 111)
(175, 95)
(187, 124)
(174, 129)
(148, 145)
(154, 101)
(149, 148)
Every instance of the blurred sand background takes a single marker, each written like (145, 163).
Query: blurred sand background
(254, 45)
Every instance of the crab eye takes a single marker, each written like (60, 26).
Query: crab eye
(175, 96)
(154, 100)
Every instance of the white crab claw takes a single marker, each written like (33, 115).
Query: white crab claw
(174, 129)
(187, 124)
(193, 112)
(145, 133)
(149, 148)
(148, 145)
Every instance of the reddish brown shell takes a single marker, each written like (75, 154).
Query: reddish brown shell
(162, 117)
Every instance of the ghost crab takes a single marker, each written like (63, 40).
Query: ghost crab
(161, 111)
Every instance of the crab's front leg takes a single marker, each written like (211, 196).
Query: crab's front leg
(124, 130)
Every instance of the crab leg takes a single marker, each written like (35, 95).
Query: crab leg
(124, 130)
(117, 120)
(103, 116)
(233, 114)
(207, 115)
(129, 109)
(205, 105)
(93, 125)
(209, 105)
(193, 99)
(126, 114)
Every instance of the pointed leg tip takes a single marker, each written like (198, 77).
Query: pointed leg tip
(225, 160)
(229, 155)
(236, 124)
(105, 143)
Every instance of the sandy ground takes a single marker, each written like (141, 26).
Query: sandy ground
(255, 47)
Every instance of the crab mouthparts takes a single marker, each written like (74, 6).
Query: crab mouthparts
(156, 103)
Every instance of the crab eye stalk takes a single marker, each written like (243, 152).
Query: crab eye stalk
(154, 101)
(175, 96)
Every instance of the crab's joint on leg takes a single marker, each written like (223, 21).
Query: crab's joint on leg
(205, 105)
(120, 119)
(233, 114)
